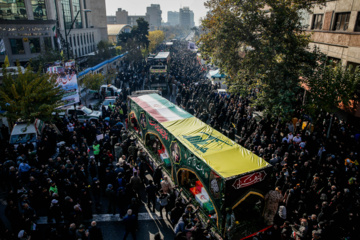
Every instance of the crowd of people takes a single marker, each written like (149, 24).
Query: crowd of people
(315, 170)
(77, 168)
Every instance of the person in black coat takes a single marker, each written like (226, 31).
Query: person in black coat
(130, 224)
(95, 232)
(151, 194)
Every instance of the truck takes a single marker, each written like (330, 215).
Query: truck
(82, 113)
(23, 132)
(212, 169)
(109, 91)
(106, 91)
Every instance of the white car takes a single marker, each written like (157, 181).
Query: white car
(107, 102)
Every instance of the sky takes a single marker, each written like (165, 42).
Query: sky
(138, 7)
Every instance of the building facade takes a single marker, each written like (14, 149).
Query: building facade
(186, 18)
(132, 19)
(173, 18)
(153, 15)
(28, 27)
(192, 22)
(113, 30)
(111, 19)
(123, 17)
(335, 30)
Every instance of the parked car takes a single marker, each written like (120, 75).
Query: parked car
(23, 132)
(107, 102)
(82, 113)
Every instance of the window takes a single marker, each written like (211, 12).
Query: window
(81, 38)
(317, 21)
(39, 9)
(78, 40)
(87, 36)
(48, 43)
(34, 45)
(17, 46)
(357, 23)
(74, 41)
(341, 21)
(67, 11)
(13, 10)
(76, 8)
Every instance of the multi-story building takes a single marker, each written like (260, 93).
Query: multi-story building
(173, 18)
(123, 17)
(132, 19)
(335, 30)
(153, 14)
(113, 30)
(192, 22)
(28, 27)
(186, 18)
(111, 19)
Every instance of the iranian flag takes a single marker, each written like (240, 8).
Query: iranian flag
(160, 108)
(56, 35)
(55, 32)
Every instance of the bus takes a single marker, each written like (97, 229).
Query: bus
(158, 71)
(212, 169)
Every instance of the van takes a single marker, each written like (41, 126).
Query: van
(23, 132)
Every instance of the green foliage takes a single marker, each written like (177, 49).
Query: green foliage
(105, 51)
(93, 81)
(259, 48)
(29, 95)
(331, 85)
(135, 41)
(45, 59)
(155, 38)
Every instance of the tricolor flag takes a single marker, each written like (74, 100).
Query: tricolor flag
(55, 32)
(161, 109)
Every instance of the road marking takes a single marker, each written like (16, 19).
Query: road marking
(110, 218)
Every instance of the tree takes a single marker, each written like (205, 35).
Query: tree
(29, 95)
(135, 41)
(92, 82)
(155, 38)
(331, 85)
(110, 76)
(261, 45)
(105, 50)
(45, 59)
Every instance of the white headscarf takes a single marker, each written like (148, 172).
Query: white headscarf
(282, 212)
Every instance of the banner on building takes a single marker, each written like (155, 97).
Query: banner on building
(67, 79)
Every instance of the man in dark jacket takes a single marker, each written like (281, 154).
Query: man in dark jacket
(151, 194)
(130, 224)
(95, 232)
(111, 195)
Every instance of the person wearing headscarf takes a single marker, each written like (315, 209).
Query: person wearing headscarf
(272, 200)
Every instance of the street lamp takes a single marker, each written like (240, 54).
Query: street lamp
(71, 27)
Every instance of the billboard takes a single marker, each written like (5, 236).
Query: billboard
(67, 79)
